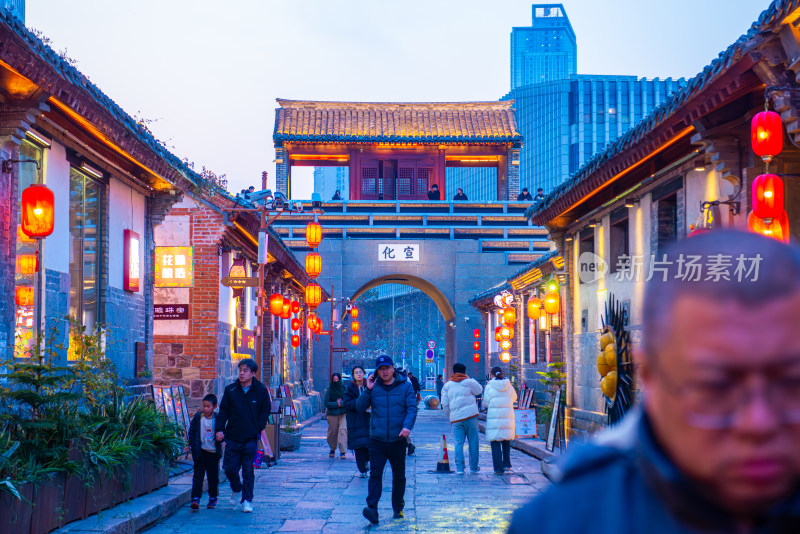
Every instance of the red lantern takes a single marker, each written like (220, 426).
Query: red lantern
(314, 324)
(313, 295)
(313, 234)
(296, 324)
(509, 316)
(505, 344)
(506, 332)
(354, 313)
(276, 304)
(777, 228)
(27, 264)
(295, 306)
(477, 345)
(313, 265)
(477, 358)
(551, 302)
(476, 333)
(534, 308)
(37, 211)
(768, 196)
(295, 341)
(354, 326)
(354, 339)
(497, 334)
(287, 310)
(22, 237)
(505, 356)
(766, 135)
(23, 295)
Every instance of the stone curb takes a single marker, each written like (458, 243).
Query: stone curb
(528, 447)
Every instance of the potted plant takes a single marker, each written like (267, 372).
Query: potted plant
(290, 436)
(553, 379)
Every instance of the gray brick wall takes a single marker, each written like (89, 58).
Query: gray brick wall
(512, 173)
(125, 319)
(56, 310)
(8, 248)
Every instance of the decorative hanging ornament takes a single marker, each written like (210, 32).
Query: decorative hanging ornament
(354, 326)
(237, 271)
(354, 313)
(295, 306)
(313, 265)
(313, 234)
(313, 295)
(476, 357)
(354, 339)
(551, 302)
(296, 324)
(276, 304)
(766, 135)
(295, 341)
(768, 196)
(37, 211)
(509, 316)
(505, 356)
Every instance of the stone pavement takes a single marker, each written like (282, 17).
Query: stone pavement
(308, 492)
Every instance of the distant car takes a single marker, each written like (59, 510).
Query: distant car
(347, 376)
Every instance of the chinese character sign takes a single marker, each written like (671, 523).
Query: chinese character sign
(130, 276)
(398, 252)
(174, 267)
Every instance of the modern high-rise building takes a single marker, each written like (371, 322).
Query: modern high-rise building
(327, 180)
(566, 122)
(546, 50)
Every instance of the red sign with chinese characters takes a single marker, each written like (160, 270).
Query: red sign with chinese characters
(131, 273)
(170, 311)
(174, 267)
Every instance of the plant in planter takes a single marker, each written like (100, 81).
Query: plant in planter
(290, 436)
(553, 379)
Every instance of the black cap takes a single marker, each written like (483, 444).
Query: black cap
(383, 360)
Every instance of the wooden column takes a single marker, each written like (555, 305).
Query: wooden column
(355, 175)
(441, 173)
(502, 174)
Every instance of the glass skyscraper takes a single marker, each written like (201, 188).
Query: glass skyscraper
(545, 51)
(328, 179)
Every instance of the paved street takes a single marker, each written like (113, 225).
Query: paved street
(308, 492)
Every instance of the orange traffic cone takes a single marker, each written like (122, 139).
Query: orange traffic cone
(443, 465)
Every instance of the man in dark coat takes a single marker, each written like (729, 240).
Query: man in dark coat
(714, 447)
(243, 414)
(525, 195)
(434, 193)
(394, 409)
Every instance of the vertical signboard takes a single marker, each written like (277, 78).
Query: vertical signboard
(131, 274)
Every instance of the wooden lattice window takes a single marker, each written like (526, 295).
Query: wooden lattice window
(405, 181)
(369, 181)
(423, 179)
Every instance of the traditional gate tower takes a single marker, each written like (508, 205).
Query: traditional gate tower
(395, 151)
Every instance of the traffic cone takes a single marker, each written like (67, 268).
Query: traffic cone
(443, 465)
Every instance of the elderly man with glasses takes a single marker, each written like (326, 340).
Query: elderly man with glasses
(715, 445)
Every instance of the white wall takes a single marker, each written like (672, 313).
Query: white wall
(56, 177)
(127, 210)
(175, 231)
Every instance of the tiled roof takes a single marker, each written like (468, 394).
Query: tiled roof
(433, 122)
(541, 213)
(81, 83)
(507, 284)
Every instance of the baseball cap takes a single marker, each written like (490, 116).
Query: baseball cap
(383, 360)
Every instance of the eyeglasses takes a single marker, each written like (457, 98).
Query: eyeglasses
(715, 405)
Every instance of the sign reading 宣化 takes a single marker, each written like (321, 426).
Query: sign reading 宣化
(170, 311)
(398, 252)
(174, 267)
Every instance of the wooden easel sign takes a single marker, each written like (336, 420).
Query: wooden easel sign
(551, 433)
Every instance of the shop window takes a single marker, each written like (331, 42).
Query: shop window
(586, 244)
(85, 250)
(27, 280)
(619, 237)
(667, 222)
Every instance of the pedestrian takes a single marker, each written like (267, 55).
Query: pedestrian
(415, 385)
(434, 193)
(242, 416)
(499, 397)
(459, 403)
(713, 446)
(337, 195)
(394, 410)
(357, 422)
(460, 195)
(206, 452)
(439, 386)
(337, 421)
(539, 195)
(525, 195)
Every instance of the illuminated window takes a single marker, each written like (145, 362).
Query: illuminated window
(85, 251)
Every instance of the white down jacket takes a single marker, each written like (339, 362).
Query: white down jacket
(499, 397)
(458, 398)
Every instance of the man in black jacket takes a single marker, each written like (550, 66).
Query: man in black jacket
(242, 416)
(394, 410)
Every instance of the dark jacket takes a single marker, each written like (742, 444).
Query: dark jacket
(195, 443)
(415, 383)
(394, 407)
(524, 196)
(434, 194)
(625, 484)
(439, 386)
(460, 196)
(242, 416)
(357, 422)
(331, 396)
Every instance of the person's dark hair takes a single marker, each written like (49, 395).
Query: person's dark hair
(524, 189)
(777, 276)
(353, 370)
(459, 368)
(438, 376)
(210, 398)
(435, 186)
(410, 373)
(540, 189)
(337, 375)
(497, 373)
(249, 363)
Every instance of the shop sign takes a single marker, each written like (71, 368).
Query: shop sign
(131, 274)
(174, 267)
(244, 342)
(398, 252)
(170, 312)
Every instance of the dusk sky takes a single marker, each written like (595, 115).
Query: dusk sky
(208, 73)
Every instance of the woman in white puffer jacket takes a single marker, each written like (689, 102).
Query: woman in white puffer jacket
(499, 396)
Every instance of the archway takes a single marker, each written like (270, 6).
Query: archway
(435, 294)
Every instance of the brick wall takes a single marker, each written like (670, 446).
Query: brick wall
(512, 173)
(125, 319)
(56, 310)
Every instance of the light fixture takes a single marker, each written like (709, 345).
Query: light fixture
(39, 140)
(91, 171)
(699, 164)
(592, 223)
(630, 201)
